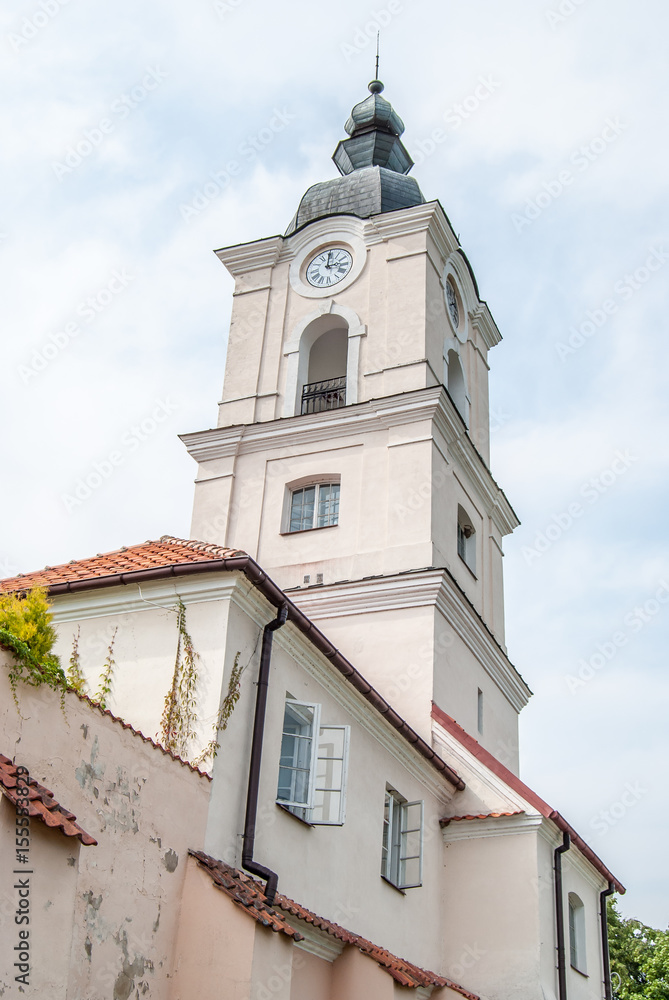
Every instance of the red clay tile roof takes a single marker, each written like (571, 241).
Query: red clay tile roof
(41, 803)
(248, 893)
(167, 551)
(514, 782)
(457, 819)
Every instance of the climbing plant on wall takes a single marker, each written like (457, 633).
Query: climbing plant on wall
(177, 726)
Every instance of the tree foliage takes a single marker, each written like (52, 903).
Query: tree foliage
(639, 958)
(26, 628)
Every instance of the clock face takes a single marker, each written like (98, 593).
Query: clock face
(329, 267)
(452, 302)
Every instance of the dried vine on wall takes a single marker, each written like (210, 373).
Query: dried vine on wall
(177, 726)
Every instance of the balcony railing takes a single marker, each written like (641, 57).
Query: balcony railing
(326, 395)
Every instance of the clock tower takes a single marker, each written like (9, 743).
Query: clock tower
(351, 453)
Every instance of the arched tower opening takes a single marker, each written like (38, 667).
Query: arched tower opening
(322, 365)
(456, 386)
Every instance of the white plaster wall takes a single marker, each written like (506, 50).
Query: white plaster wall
(491, 926)
(145, 646)
(333, 870)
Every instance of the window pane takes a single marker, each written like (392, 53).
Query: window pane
(410, 873)
(330, 774)
(296, 754)
(327, 807)
(328, 504)
(411, 844)
(332, 742)
(302, 508)
(385, 847)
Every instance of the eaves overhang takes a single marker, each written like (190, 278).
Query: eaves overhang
(243, 563)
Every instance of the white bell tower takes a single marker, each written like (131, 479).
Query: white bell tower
(351, 456)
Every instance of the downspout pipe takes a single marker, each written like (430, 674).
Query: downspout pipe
(248, 864)
(559, 917)
(606, 962)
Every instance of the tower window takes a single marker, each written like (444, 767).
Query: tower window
(315, 506)
(466, 540)
(577, 933)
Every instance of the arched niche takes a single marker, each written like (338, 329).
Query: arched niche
(456, 384)
(323, 352)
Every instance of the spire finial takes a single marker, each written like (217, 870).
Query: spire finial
(375, 87)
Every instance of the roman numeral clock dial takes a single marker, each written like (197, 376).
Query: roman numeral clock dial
(329, 267)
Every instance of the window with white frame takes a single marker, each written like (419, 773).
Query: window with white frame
(466, 540)
(577, 933)
(402, 848)
(314, 506)
(312, 766)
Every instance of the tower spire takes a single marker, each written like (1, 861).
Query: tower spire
(376, 87)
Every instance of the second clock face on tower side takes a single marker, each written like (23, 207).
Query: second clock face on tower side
(452, 302)
(329, 267)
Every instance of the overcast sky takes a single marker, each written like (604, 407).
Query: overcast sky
(139, 137)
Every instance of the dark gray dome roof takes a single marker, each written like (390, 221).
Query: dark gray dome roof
(364, 192)
(374, 164)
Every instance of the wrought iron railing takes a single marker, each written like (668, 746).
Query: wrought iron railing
(328, 394)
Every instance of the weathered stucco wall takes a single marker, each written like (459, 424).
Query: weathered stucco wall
(105, 917)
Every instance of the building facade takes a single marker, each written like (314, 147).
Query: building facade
(366, 831)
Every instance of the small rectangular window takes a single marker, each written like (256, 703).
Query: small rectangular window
(480, 710)
(402, 844)
(312, 771)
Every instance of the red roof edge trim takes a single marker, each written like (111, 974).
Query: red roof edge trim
(514, 782)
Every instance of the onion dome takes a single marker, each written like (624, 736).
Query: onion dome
(373, 163)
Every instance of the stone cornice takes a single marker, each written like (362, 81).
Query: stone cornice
(491, 826)
(482, 318)
(430, 588)
(409, 407)
(314, 940)
(251, 256)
